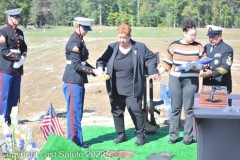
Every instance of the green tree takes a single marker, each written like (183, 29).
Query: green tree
(226, 15)
(4, 5)
(114, 12)
(191, 11)
(10, 4)
(63, 12)
(39, 11)
(25, 5)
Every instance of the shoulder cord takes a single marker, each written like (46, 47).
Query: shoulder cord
(80, 35)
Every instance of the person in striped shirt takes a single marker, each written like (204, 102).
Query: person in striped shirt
(183, 84)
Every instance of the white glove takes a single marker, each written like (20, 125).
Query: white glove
(16, 65)
(19, 63)
(98, 71)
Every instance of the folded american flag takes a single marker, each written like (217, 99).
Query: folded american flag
(50, 123)
(197, 63)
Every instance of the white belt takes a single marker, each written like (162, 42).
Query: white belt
(15, 51)
(82, 62)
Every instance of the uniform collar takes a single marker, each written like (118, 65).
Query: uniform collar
(218, 44)
(80, 36)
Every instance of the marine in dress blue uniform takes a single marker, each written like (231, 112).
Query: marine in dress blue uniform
(218, 71)
(74, 77)
(13, 51)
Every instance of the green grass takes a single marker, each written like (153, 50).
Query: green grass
(138, 32)
(101, 140)
(106, 32)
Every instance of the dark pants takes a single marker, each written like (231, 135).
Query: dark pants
(119, 103)
(9, 93)
(74, 95)
(182, 91)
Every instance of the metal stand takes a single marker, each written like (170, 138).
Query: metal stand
(152, 103)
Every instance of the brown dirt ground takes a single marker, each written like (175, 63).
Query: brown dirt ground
(42, 84)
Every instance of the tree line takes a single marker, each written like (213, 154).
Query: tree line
(144, 13)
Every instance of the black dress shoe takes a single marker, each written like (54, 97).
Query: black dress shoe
(85, 145)
(120, 139)
(171, 141)
(185, 143)
(139, 142)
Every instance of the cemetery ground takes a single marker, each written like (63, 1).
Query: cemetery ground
(45, 63)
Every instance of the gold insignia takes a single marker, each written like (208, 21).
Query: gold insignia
(75, 49)
(229, 62)
(221, 70)
(216, 62)
(2, 39)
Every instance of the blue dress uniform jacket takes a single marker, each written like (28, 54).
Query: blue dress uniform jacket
(11, 38)
(142, 57)
(220, 66)
(77, 68)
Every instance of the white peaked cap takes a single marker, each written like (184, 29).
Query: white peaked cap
(13, 12)
(83, 21)
(215, 28)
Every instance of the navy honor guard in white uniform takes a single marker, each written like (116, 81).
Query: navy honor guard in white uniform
(13, 51)
(74, 78)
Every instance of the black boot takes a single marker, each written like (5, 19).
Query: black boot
(121, 138)
(140, 141)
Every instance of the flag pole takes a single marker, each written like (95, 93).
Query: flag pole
(51, 116)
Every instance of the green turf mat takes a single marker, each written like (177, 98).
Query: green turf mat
(101, 141)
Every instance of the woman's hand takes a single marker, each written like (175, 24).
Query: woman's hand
(155, 77)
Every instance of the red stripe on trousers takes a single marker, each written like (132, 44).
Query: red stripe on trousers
(72, 111)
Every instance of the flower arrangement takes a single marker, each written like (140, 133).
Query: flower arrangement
(17, 138)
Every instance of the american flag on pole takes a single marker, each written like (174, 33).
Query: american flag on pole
(50, 123)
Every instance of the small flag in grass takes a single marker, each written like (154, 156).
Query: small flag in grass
(50, 123)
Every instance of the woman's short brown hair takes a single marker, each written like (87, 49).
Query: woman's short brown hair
(188, 23)
(124, 28)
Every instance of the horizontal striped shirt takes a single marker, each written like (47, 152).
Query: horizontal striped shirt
(179, 54)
